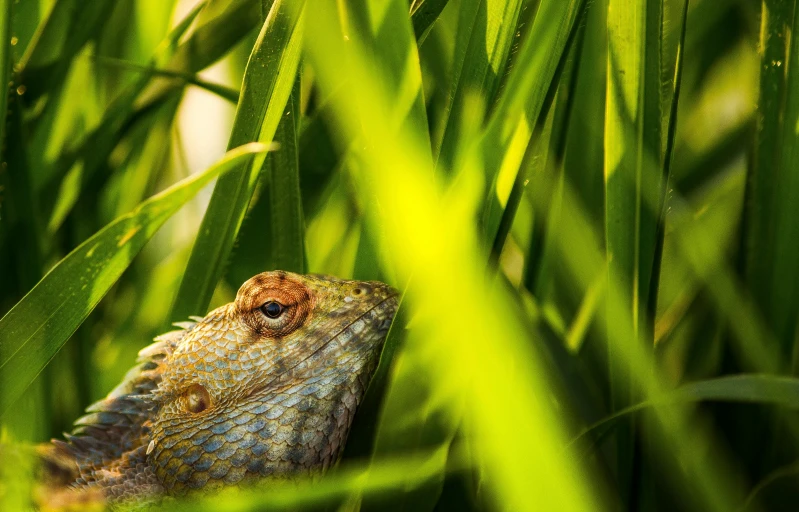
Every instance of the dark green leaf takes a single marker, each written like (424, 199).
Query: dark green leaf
(36, 328)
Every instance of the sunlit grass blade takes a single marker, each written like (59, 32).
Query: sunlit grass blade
(538, 147)
(519, 104)
(632, 135)
(394, 172)
(386, 34)
(266, 87)
(33, 331)
(486, 31)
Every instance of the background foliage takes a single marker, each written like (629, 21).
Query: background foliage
(591, 206)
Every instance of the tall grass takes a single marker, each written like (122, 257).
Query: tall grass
(589, 205)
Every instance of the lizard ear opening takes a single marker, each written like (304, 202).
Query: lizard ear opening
(197, 399)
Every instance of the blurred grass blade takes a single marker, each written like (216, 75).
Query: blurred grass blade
(446, 344)
(36, 328)
(745, 388)
(222, 24)
(5, 74)
(266, 87)
(98, 144)
(383, 32)
(317, 494)
(386, 36)
(282, 167)
(5, 60)
(69, 26)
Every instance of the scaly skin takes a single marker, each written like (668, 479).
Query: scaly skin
(234, 396)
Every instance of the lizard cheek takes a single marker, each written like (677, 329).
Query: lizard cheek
(197, 399)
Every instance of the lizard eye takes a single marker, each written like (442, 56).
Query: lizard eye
(272, 309)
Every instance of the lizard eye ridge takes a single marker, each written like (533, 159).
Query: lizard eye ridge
(272, 309)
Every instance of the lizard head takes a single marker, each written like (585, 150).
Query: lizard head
(268, 384)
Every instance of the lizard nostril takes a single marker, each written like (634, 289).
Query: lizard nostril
(357, 292)
(197, 399)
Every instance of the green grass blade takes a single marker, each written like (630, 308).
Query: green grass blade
(771, 226)
(266, 87)
(36, 328)
(222, 24)
(20, 230)
(632, 153)
(584, 157)
(385, 34)
(632, 135)
(226, 93)
(772, 211)
(668, 161)
(285, 201)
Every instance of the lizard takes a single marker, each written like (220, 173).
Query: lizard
(263, 387)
